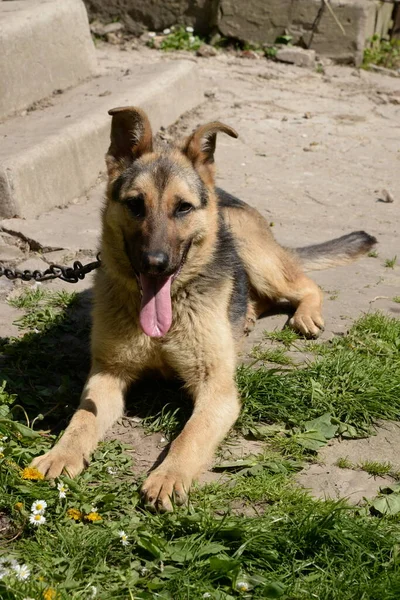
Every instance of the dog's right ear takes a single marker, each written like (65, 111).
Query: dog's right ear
(131, 137)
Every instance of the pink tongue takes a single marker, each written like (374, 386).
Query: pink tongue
(156, 308)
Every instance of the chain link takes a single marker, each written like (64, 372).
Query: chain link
(69, 274)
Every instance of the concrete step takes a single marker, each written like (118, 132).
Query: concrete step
(50, 157)
(45, 45)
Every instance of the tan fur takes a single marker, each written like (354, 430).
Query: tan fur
(201, 345)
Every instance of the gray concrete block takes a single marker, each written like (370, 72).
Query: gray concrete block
(45, 45)
(50, 157)
(296, 56)
(342, 31)
(255, 20)
(262, 21)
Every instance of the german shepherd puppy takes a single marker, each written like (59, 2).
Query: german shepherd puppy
(186, 268)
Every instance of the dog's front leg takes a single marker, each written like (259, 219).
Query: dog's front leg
(216, 408)
(101, 404)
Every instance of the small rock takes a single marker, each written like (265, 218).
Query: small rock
(206, 51)
(209, 94)
(113, 27)
(157, 41)
(112, 38)
(249, 54)
(386, 196)
(297, 56)
(307, 115)
(97, 28)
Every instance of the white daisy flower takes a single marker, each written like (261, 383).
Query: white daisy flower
(112, 470)
(38, 507)
(189, 29)
(3, 572)
(152, 34)
(242, 586)
(143, 571)
(166, 31)
(22, 572)
(62, 489)
(123, 537)
(8, 563)
(92, 591)
(94, 509)
(37, 519)
(206, 595)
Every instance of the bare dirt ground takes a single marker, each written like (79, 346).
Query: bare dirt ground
(316, 150)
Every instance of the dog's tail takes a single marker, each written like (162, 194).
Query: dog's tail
(339, 251)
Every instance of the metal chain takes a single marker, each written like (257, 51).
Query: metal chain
(69, 274)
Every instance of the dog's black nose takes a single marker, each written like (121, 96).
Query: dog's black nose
(155, 262)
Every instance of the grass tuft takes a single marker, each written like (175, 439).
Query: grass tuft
(344, 463)
(377, 469)
(390, 262)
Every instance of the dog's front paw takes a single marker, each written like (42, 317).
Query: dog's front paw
(163, 488)
(60, 460)
(308, 322)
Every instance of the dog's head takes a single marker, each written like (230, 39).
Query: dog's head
(161, 211)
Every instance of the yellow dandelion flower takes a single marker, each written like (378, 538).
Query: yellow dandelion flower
(49, 594)
(93, 517)
(31, 473)
(19, 506)
(74, 513)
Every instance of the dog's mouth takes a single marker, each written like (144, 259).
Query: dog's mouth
(156, 305)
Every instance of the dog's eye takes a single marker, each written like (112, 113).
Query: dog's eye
(183, 208)
(136, 206)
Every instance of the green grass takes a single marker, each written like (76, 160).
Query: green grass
(376, 469)
(271, 355)
(373, 254)
(390, 262)
(257, 528)
(383, 53)
(344, 463)
(181, 39)
(396, 299)
(287, 336)
(355, 378)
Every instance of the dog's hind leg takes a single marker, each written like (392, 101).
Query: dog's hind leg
(101, 404)
(279, 277)
(274, 273)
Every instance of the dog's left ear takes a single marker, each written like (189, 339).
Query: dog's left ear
(200, 146)
(131, 137)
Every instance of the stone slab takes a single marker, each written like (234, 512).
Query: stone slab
(45, 45)
(50, 157)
